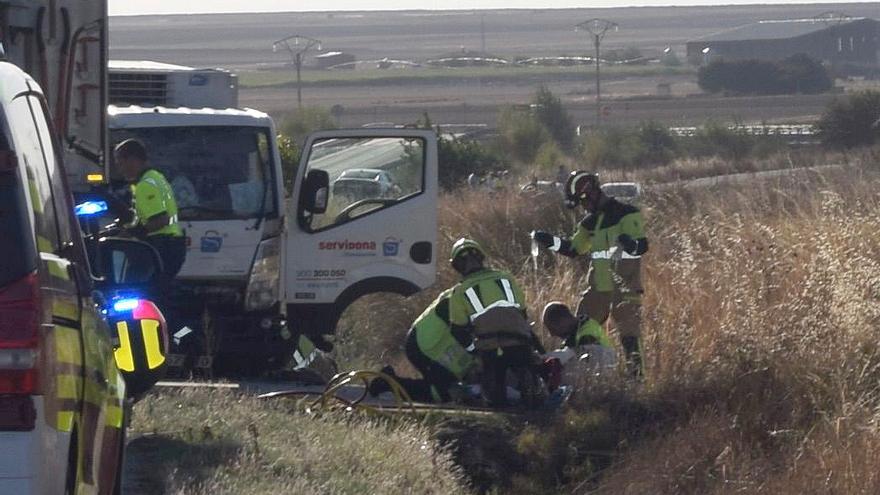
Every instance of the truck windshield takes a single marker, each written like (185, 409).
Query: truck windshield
(217, 173)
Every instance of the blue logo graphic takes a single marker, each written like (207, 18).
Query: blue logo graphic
(391, 246)
(212, 241)
(198, 80)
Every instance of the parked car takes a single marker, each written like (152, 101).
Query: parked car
(62, 397)
(626, 192)
(365, 183)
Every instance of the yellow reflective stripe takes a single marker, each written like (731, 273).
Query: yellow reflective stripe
(68, 386)
(44, 245)
(152, 346)
(65, 310)
(67, 348)
(114, 416)
(123, 355)
(65, 421)
(35, 196)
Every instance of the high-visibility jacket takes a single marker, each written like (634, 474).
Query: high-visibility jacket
(434, 337)
(493, 305)
(598, 235)
(153, 195)
(589, 332)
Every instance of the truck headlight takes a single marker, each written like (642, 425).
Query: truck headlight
(263, 286)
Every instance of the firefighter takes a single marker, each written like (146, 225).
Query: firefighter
(491, 304)
(438, 351)
(583, 338)
(155, 209)
(612, 235)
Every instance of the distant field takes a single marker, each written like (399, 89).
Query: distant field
(243, 43)
(520, 75)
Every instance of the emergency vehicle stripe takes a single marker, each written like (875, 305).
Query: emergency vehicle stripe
(123, 355)
(65, 421)
(508, 290)
(114, 416)
(152, 346)
(44, 245)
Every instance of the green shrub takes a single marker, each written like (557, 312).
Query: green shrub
(520, 134)
(716, 139)
(306, 120)
(289, 152)
(796, 74)
(550, 112)
(649, 144)
(851, 122)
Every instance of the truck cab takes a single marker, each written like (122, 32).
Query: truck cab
(224, 168)
(262, 271)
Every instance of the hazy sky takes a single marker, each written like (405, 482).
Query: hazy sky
(125, 7)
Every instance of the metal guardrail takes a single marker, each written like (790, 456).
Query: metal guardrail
(755, 130)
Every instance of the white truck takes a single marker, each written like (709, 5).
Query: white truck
(261, 271)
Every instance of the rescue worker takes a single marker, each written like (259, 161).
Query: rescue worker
(491, 304)
(438, 351)
(155, 209)
(612, 235)
(584, 340)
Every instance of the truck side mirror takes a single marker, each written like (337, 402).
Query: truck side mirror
(315, 192)
(127, 262)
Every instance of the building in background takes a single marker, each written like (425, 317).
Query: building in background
(334, 60)
(840, 42)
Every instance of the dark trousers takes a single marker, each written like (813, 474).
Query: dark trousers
(432, 372)
(172, 250)
(495, 367)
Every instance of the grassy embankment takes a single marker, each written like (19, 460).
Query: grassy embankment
(431, 75)
(761, 337)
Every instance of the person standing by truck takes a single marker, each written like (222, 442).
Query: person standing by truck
(612, 235)
(154, 206)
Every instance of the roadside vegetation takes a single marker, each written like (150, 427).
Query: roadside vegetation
(763, 365)
(761, 322)
(796, 74)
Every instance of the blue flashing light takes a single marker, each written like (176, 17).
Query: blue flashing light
(89, 208)
(125, 304)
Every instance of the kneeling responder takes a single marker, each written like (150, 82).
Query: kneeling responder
(155, 209)
(492, 305)
(612, 235)
(583, 339)
(438, 352)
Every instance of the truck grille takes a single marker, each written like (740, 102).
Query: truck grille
(138, 89)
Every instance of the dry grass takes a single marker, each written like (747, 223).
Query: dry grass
(762, 323)
(215, 442)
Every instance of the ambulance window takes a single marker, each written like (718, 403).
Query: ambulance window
(27, 142)
(63, 205)
(366, 175)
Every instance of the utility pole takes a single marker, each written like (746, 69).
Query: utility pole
(297, 45)
(482, 35)
(597, 29)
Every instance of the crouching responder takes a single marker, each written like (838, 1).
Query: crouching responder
(155, 209)
(612, 235)
(583, 339)
(438, 351)
(492, 305)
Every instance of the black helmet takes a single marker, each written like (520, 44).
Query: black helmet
(579, 187)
